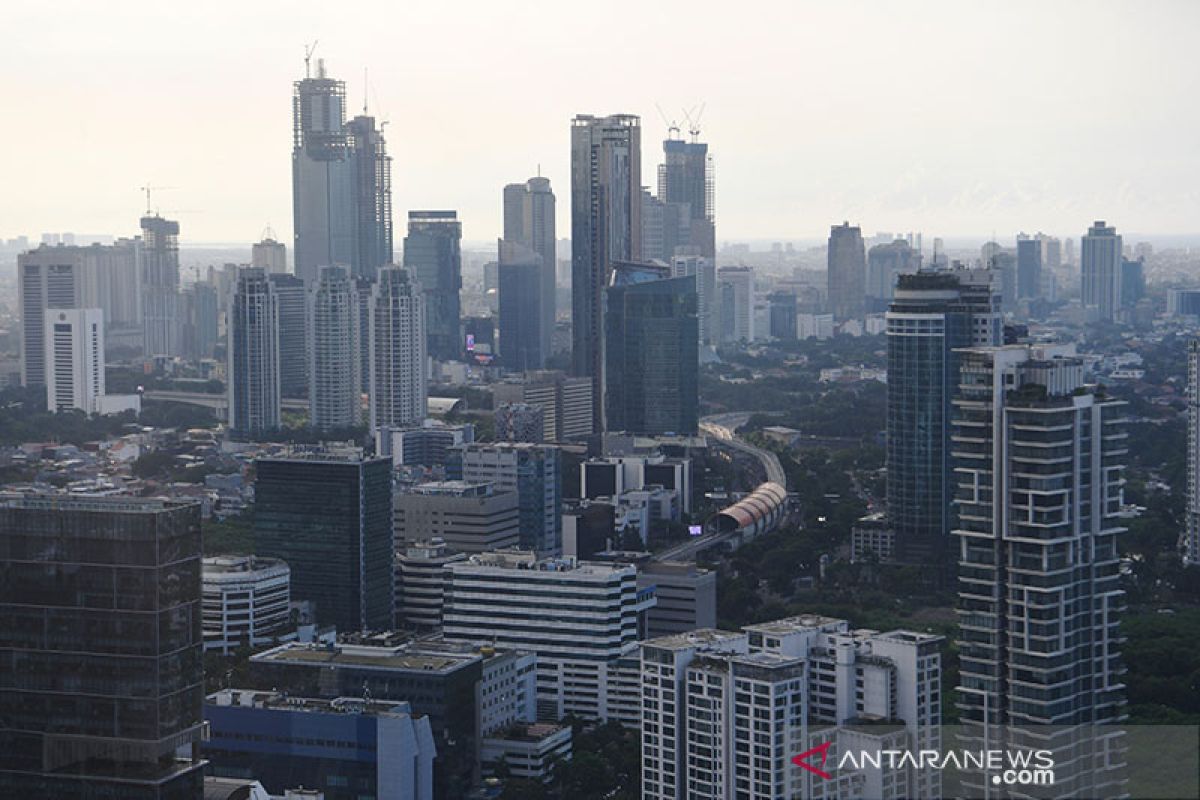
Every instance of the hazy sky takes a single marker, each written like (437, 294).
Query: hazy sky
(954, 118)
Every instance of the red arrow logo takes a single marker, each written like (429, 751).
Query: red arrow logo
(823, 749)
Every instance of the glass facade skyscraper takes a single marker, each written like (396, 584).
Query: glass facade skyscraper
(432, 253)
(651, 351)
(932, 315)
(101, 677)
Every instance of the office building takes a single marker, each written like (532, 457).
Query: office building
(580, 619)
(433, 257)
(685, 597)
(1029, 268)
(427, 445)
(292, 299)
(688, 262)
(1183, 302)
(341, 183)
(932, 316)
(245, 602)
(350, 747)
(529, 221)
(589, 527)
(665, 228)
(252, 378)
(91, 584)
(328, 514)
(686, 180)
(74, 359)
(269, 255)
(468, 517)
(528, 752)
(782, 307)
(466, 690)
(606, 226)
(1100, 265)
(524, 343)
(199, 316)
(612, 476)
(520, 422)
(1189, 541)
(421, 581)
(334, 396)
(735, 301)
(1039, 472)
(533, 472)
(847, 272)
(566, 402)
(398, 387)
(1133, 282)
(724, 712)
(47, 279)
(885, 264)
(651, 352)
(160, 285)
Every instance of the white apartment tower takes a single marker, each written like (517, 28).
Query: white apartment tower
(253, 378)
(333, 358)
(1100, 264)
(397, 385)
(74, 359)
(735, 302)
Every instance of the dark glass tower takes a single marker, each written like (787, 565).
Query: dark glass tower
(329, 516)
(1029, 268)
(293, 334)
(101, 679)
(521, 296)
(685, 178)
(931, 316)
(651, 352)
(433, 255)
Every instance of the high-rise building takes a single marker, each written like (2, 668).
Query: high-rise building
(160, 285)
(47, 280)
(269, 255)
(106, 701)
(328, 514)
(1133, 281)
(651, 353)
(847, 261)
(432, 254)
(398, 389)
(885, 264)
(1100, 264)
(529, 221)
(245, 602)
(522, 325)
(426, 445)
(566, 402)
(686, 179)
(1189, 542)
(334, 383)
(581, 619)
(666, 227)
(782, 316)
(606, 226)
(689, 262)
(520, 422)
(341, 183)
(533, 471)
(74, 359)
(253, 375)
(1029, 268)
(1039, 469)
(199, 317)
(292, 297)
(685, 597)
(468, 517)
(735, 301)
(932, 316)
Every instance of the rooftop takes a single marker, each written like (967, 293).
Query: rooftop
(702, 637)
(410, 657)
(798, 623)
(278, 701)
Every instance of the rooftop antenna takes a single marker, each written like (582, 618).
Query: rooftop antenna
(672, 125)
(308, 52)
(694, 123)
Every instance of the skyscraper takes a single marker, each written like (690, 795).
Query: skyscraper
(269, 254)
(1100, 262)
(1189, 541)
(432, 254)
(160, 285)
(932, 316)
(529, 220)
(329, 516)
(521, 272)
(885, 263)
(293, 334)
(47, 280)
(341, 182)
(253, 353)
(199, 315)
(75, 359)
(735, 303)
(100, 648)
(651, 353)
(533, 471)
(689, 262)
(782, 316)
(685, 178)
(847, 272)
(334, 383)
(606, 226)
(1029, 268)
(1039, 469)
(398, 389)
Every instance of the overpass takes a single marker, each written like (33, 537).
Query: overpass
(219, 403)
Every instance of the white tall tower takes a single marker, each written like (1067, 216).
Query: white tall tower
(74, 359)
(397, 350)
(334, 381)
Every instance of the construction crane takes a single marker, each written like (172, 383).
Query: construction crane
(672, 125)
(309, 49)
(148, 189)
(694, 123)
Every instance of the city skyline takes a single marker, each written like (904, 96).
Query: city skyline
(1140, 173)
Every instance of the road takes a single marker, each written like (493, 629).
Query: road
(723, 427)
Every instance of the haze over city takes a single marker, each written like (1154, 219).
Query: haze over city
(957, 119)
